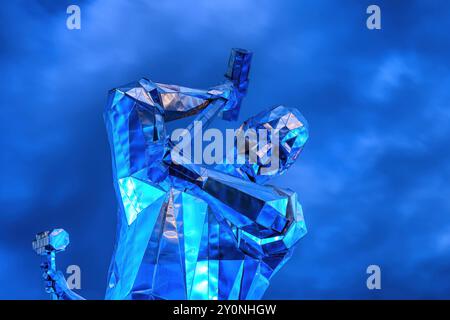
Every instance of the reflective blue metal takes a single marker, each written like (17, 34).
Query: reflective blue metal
(188, 231)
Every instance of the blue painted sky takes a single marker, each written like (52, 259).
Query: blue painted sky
(373, 178)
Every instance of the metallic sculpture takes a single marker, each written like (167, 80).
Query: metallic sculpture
(191, 231)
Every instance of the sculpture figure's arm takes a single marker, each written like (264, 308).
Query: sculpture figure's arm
(135, 115)
(56, 284)
(268, 220)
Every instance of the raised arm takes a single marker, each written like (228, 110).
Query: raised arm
(135, 114)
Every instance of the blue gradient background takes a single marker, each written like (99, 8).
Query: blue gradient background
(373, 179)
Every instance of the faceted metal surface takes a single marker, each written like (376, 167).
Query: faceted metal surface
(191, 232)
(291, 131)
(54, 241)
